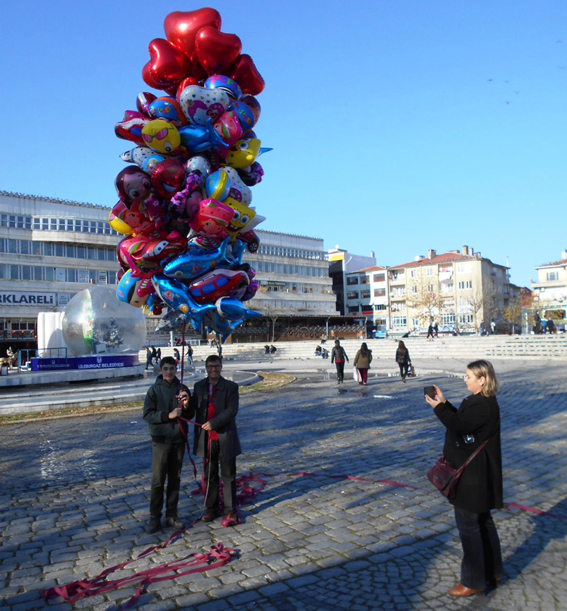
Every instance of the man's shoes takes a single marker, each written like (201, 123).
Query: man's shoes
(210, 515)
(154, 525)
(174, 523)
(462, 590)
(231, 519)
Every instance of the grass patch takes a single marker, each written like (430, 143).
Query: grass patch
(270, 382)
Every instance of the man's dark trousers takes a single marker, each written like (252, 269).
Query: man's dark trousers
(167, 460)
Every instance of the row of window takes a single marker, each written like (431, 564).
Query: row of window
(462, 268)
(55, 274)
(289, 269)
(48, 249)
(446, 320)
(400, 291)
(16, 221)
(296, 253)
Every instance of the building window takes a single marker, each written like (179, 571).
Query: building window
(552, 276)
(413, 273)
(414, 290)
(429, 271)
(351, 280)
(353, 309)
(379, 277)
(352, 295)
(399, 321)
(379, 292)
(448, 319)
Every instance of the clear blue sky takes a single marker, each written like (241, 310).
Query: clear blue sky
(397, 126)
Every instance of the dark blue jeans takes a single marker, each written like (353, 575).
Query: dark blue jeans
(482, 558)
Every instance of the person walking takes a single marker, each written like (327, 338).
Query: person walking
(430, 332)
(165, 401)
(338, 357)
(214, 404)
(480, 488)
(176, 355)
(362, 362)
(403, 360)
(189, 354)
(436, 329)
(149, 357)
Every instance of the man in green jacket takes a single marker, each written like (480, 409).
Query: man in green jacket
(165, 401)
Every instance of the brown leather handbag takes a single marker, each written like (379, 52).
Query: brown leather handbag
(445, 478)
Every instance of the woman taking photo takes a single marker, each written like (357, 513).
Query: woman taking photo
(403, 360)
(362, 362)
(480, 488)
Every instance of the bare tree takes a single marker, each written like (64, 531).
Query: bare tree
(482, 305)
(425, 298)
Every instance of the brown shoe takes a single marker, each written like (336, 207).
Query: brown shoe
(462, 590)
(210, 515)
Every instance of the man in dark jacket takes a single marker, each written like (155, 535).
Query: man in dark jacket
(165, 401)
(214, 404)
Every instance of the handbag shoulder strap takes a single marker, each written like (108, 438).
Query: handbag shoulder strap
(472, 456)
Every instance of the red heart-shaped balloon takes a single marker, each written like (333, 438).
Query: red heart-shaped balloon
(146, 75)
(181, 28)
(245, 73)
(168, 65)
(216, 50)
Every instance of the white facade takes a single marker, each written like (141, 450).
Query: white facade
(52, 249)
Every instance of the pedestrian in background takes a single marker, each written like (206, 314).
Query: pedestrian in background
(338, 357)
(362, 362)
(430, 332)
(480, 487)
(403, 360)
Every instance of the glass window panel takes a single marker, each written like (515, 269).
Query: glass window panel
(36, 223)
(26, 272)
(49, 273)
(48, 249)
(20, 222)
(81, 254)
(2, 271)
(92, 252)
(70, 251)
(53, 224)
(59, 250)
(25, 247)
(2, 245)
(100, 254)
(37, 273)
(12, 221)
(13, 246)
(13, 272)
(44, 224)
(62, 225)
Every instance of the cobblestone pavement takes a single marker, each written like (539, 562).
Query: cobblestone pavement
(74, 500)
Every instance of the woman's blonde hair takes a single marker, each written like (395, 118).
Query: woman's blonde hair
(484, 369)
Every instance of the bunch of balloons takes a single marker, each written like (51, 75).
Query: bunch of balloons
(185, 199)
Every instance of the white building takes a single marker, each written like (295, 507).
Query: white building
(52, 249)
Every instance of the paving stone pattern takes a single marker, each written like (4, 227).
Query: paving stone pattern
(75, 494)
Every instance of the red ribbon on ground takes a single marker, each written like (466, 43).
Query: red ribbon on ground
(216, 557)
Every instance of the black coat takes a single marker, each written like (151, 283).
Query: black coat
(224, 423)
(161, 399)
(480, 487)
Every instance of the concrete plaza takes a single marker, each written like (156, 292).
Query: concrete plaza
(75, 494)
